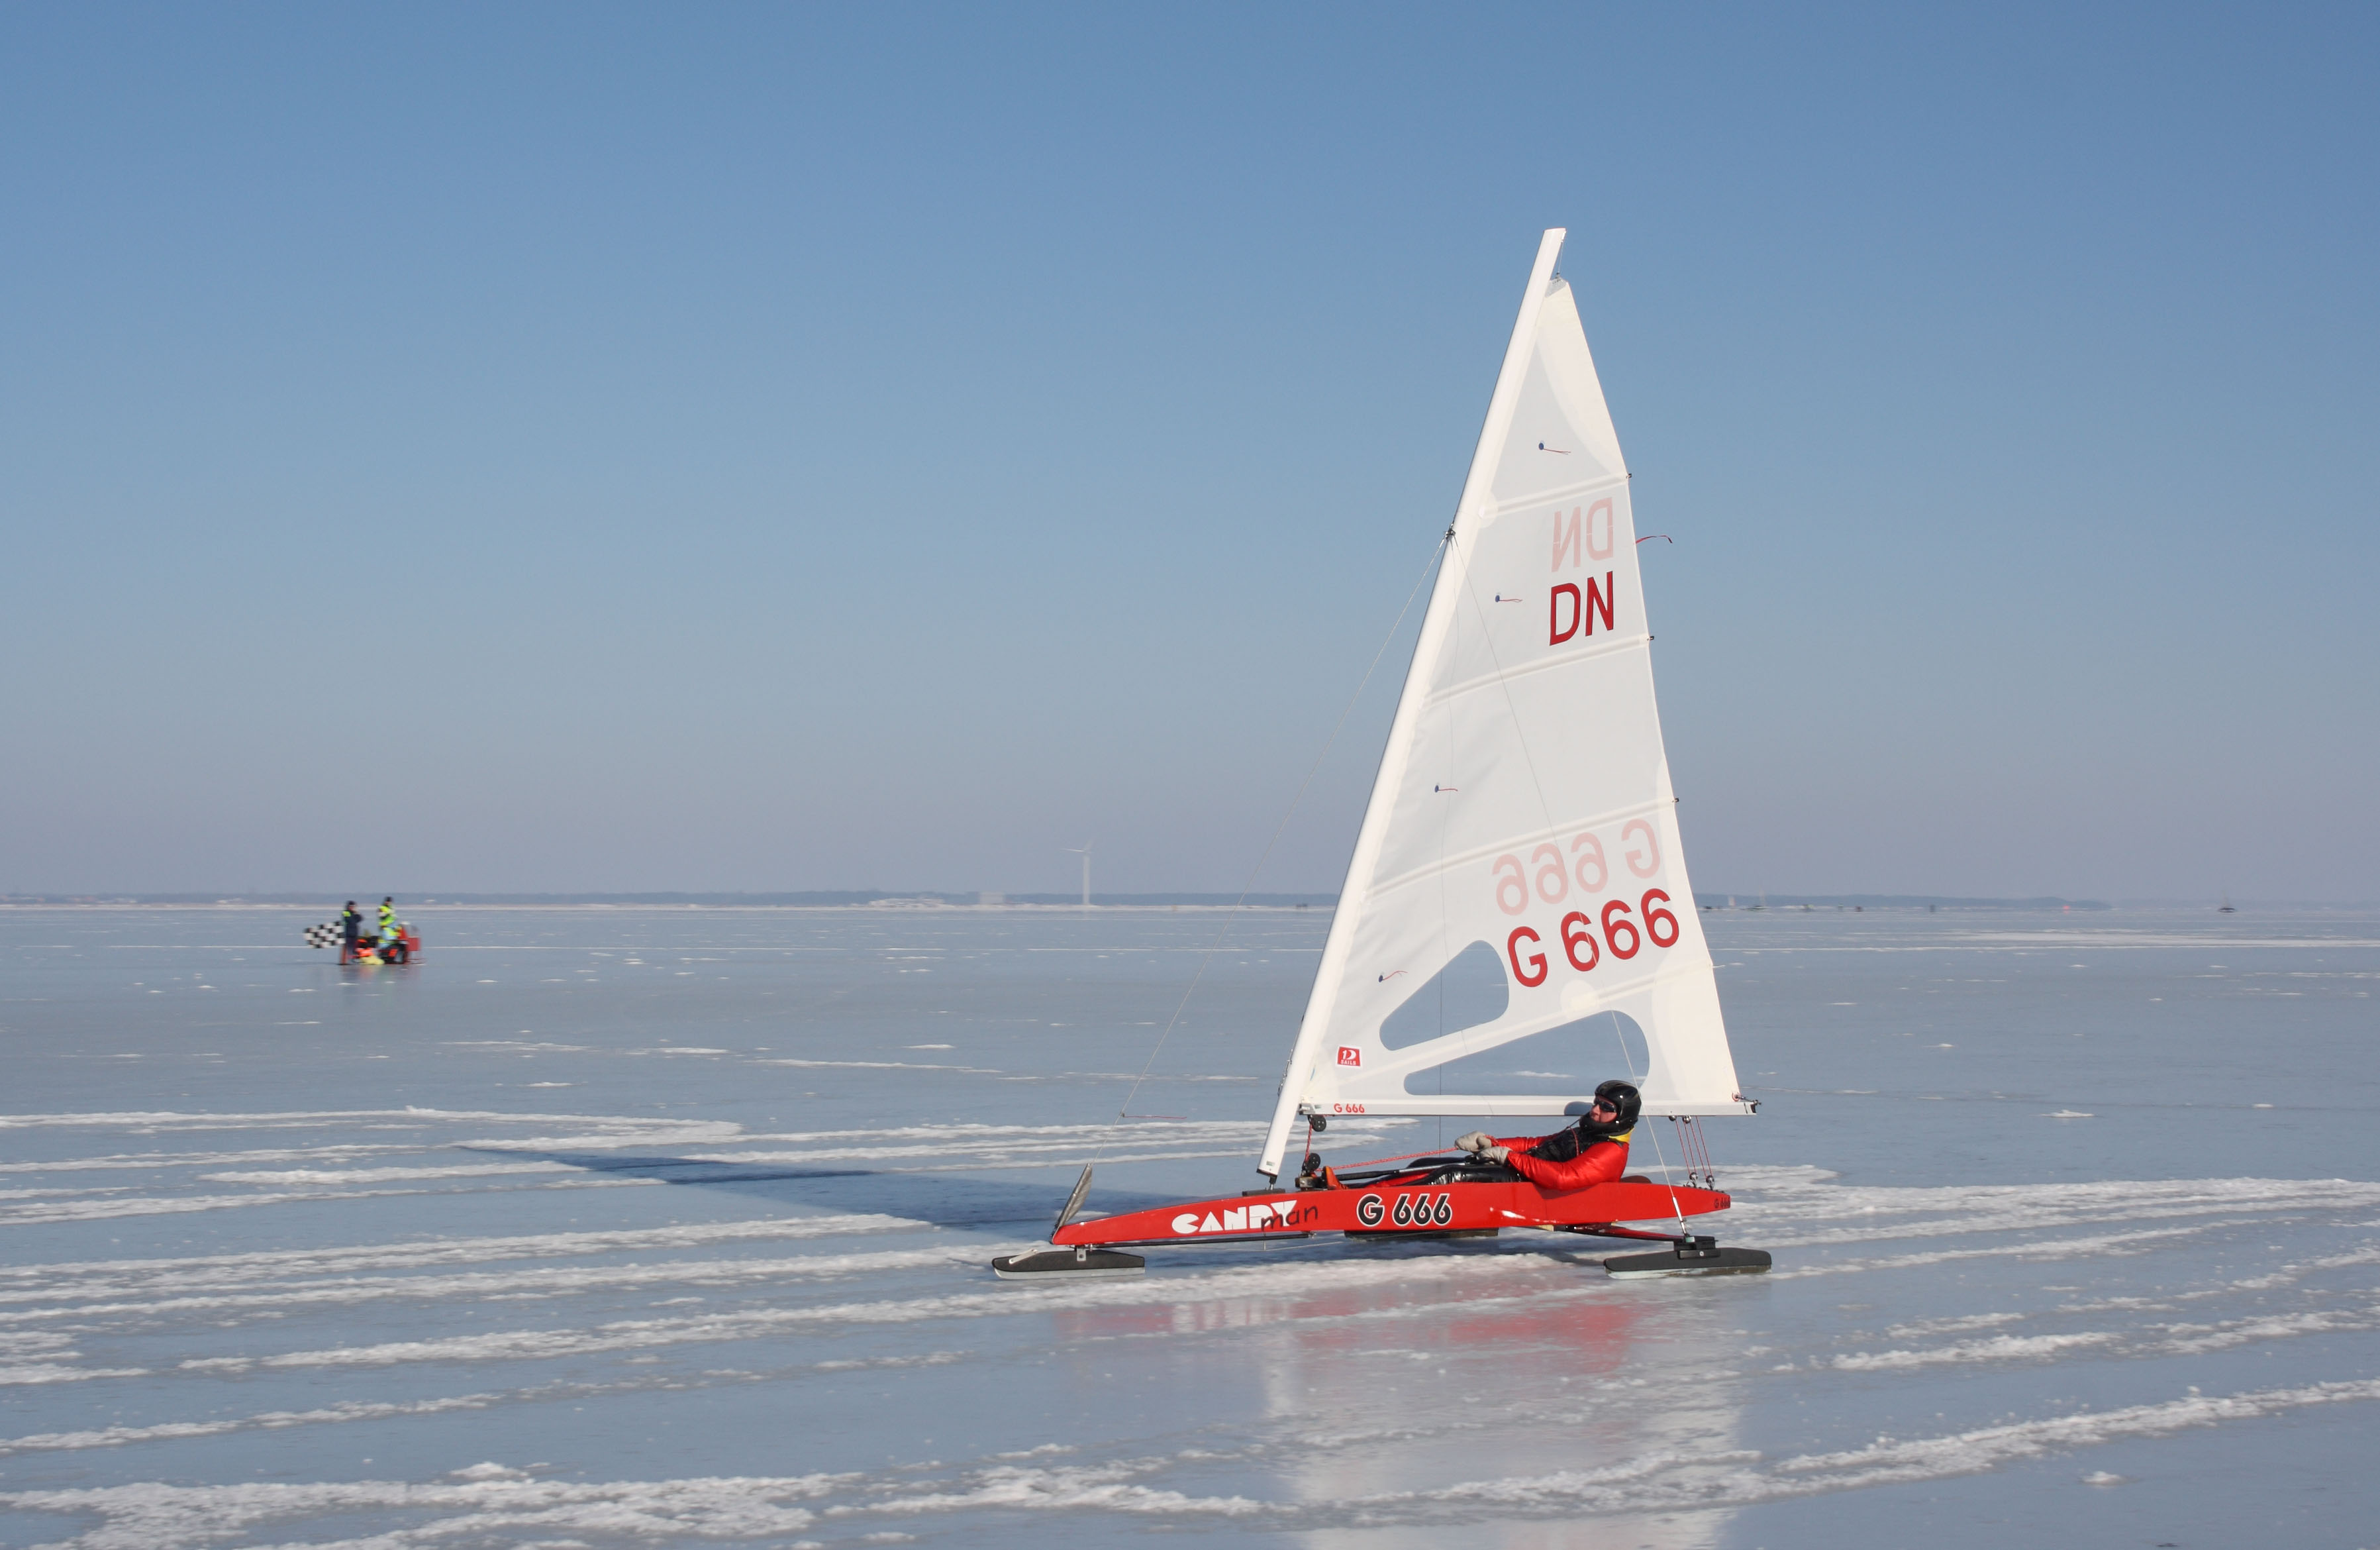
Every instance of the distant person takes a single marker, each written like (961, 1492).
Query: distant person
(351, 927)
(391, 934)
(1594, 1151)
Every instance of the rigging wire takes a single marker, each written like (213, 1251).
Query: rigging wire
(1628, 1064)
(1124, 1110)
(1520, 733)
(1400, 1157)
(1487, 639)
(1445, 817)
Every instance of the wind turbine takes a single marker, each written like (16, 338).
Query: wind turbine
(1085, 852)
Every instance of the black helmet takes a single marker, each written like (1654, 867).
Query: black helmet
(1624, 1098)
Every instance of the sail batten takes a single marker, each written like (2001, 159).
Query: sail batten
(1523, 797)
(1505, 677)
(1551, 830)
(1596, 485)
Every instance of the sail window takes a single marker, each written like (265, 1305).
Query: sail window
(1469, 990)
(1566, 1061)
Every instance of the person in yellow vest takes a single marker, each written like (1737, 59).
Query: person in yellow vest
(393, 946)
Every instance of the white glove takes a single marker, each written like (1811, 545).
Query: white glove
(1494, 1153)
(1477, 1140)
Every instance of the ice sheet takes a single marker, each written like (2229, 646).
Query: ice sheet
(617, 1228)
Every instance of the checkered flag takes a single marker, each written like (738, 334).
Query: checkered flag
(322, 935)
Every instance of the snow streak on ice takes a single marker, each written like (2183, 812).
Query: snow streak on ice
(1333, 1323)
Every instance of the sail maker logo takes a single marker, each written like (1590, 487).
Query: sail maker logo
(1350, 1056)
(1588, 528)
(1258, 1216)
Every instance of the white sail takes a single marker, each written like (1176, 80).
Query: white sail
(1524, 800)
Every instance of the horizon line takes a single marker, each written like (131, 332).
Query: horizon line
(1707, 900)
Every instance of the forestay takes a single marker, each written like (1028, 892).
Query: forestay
(1524, 800)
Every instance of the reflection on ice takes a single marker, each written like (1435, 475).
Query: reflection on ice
(1399, 1420)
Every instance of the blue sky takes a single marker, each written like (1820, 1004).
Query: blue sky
(743, 448)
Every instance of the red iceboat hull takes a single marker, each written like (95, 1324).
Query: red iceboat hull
(1393, 1207)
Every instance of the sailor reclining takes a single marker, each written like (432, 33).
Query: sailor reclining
(1594, 1151)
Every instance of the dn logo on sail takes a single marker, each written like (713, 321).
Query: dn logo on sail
(1598, 601)
(1580, 529)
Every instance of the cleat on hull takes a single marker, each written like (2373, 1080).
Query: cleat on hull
(1078, 1264)
(1684, 1261)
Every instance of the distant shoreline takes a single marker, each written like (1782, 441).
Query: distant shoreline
(874, 899)
(839, 900)
(1892, 901)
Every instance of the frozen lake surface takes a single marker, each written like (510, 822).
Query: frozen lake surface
(624, 1229)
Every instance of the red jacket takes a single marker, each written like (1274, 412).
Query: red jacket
(1599, 1164)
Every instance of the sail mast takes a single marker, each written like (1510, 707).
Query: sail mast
(1314, 1028)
